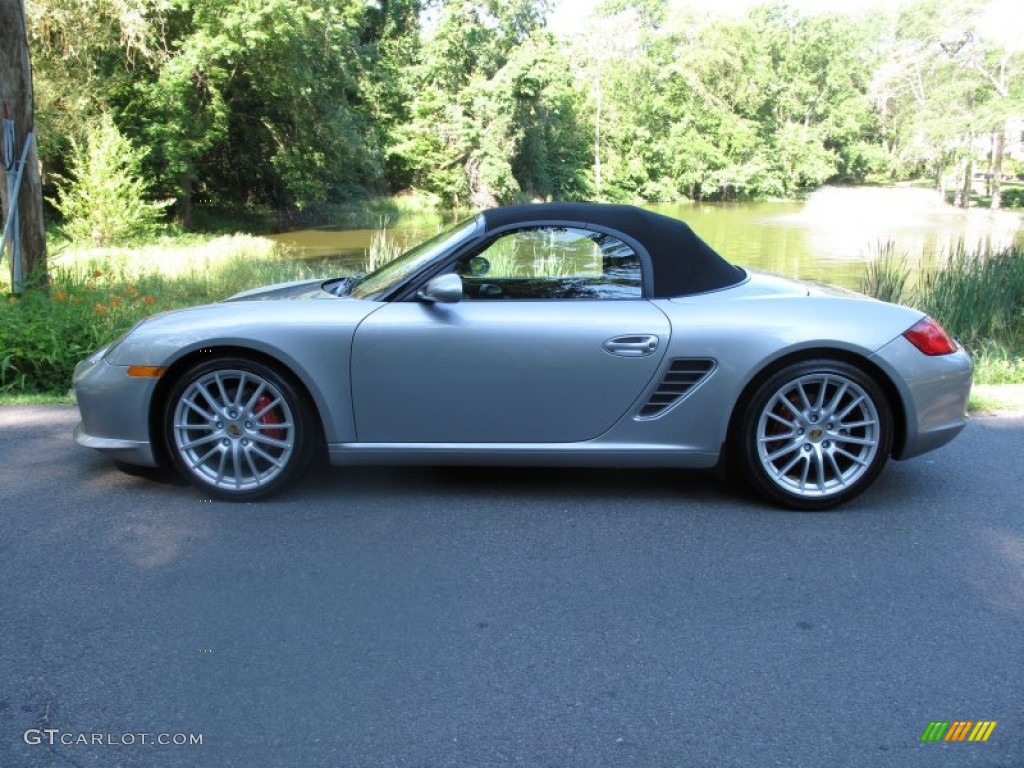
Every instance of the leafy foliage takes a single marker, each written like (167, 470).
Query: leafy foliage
(104, 200)
(293, 105)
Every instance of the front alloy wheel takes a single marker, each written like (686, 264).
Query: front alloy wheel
(816, 434)
(237, 429)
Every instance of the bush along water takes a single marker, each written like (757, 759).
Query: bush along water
(978, 296)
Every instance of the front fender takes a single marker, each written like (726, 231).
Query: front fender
(311, 339)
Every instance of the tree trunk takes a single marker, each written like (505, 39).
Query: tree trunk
(998, 148)
(963, 192)
(480, 194)
(16, 91)
(185, 201)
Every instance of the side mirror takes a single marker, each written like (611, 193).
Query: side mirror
(443, 289)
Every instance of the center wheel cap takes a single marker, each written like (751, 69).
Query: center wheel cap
(234, 430)
(816, 433)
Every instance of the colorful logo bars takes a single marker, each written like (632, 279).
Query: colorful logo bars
(958, 730)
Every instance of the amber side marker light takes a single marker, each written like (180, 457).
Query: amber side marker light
(930, 337)
(146, 371)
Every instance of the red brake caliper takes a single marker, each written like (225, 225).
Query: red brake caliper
(270, 417)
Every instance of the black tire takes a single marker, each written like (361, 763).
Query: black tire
(238, 429)
(814, 435)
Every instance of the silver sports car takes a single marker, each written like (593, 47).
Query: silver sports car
(569, 334)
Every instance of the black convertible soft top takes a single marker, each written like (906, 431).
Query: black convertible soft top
(683, 263)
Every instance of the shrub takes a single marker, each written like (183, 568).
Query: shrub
(105, 199)
(1013, 197)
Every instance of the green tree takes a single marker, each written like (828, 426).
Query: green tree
(105, 200)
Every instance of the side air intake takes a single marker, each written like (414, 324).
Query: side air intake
(682, 376)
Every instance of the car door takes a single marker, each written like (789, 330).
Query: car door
(552, 343)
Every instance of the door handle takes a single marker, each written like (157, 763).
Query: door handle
(632, 346)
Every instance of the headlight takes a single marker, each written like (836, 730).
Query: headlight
(109, 349)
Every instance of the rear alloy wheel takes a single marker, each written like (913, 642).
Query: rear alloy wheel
(815, 434)
(237, 429)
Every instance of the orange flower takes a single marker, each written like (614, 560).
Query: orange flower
(97, 273)
(115, 303)
(100, 309)
(131, 290)
(60, 296)
(149, 300)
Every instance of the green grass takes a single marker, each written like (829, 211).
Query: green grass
(989, 398)
(44, 398)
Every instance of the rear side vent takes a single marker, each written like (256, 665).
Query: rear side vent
(682, 376)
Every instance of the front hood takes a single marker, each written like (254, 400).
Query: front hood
(297, 289)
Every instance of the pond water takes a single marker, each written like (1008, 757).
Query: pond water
(828, 237)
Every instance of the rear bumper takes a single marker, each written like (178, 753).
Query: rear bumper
(934, 391)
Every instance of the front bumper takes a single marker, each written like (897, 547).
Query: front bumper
(129, 451)
(934, 390)
(115, 411)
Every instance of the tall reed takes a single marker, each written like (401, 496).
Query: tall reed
(978, 296)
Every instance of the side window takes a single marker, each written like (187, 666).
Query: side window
(553, 263)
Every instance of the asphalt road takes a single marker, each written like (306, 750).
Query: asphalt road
(462, 617)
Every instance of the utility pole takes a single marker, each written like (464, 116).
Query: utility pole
(16, 93)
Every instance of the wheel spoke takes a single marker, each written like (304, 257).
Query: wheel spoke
(236, 463)
(804, 474)
(255, 397)
(822, 388)
(220, 466)
(851, 457)
(819, 466)
(838, 397)
(256, 476)
(210, 399)
(237, 401)
(851, 440)
(787, 422)
(266, 408)
(224, 399)
(793, 462)
(198, 462)
(201, 411)
(835, 469)
(264, 455)
(782, 452)
(270, 441)
(209, 427)
(264, 425)
(846, 411)
(803, 396)
(856, 424)
(200, 441)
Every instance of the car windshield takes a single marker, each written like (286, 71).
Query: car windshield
(383, 280)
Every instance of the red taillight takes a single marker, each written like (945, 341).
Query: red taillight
(930, 337)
